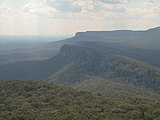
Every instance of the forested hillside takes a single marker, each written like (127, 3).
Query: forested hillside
(35, 100)
(149, 56)
(102, 80)
(74, 64)
(79, 60)
(86, 61)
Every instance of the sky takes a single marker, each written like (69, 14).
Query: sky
(66, 17)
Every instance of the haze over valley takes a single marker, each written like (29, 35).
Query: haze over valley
(79, 60)
(93, 62)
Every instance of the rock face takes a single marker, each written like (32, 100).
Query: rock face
(74, 64)
(140, 39)
(81, 55)
(107, 65)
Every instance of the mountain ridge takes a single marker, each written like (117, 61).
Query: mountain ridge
(84, 61)
(149, 56)
(150, 29)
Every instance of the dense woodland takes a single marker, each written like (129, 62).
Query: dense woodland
(78, 63)
(106, 75)
(35, 100)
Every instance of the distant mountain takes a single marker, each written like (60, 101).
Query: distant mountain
(74, 64)
(141, 45)
(142, 39)
(86, 61)
(96, 62)
(23, 48)
(35, 100)
(122, 65)
(147, 39)
(150, 56)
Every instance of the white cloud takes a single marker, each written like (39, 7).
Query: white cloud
(114, 1)
(14, 4)
(65, 5)
(39, 9)
(4, 10)
(56, 16)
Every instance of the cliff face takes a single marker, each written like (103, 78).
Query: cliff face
(140, 39)
(79, 54)
(121, 33)
(74, 63)
(106, 65)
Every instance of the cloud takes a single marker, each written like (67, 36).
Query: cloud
(97, 6)
(65, 5)
(4, 8)
(71, 8)
(39, 8)
(5, 11)
(151, 1)
(114, 1)
(56, 16)
(14, 4)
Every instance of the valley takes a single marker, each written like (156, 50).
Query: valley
(93, 75)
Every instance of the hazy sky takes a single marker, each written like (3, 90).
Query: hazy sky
(62, 17)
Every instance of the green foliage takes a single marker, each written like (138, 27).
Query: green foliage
(81, 62)
(116, 89)
(35, 100)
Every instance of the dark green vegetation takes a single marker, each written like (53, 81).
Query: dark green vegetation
(74, 64)
(92, 70)
(85, 61)
(35, 100)
(121, 68)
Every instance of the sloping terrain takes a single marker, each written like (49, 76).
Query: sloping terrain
(116, 89)
(85, 61)
(99, 62)
(35, 100)
(73, 65)
(24, 48)
(142, 39)
(141, 45)
(146, 39)
(115, 64)
(149, 56)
